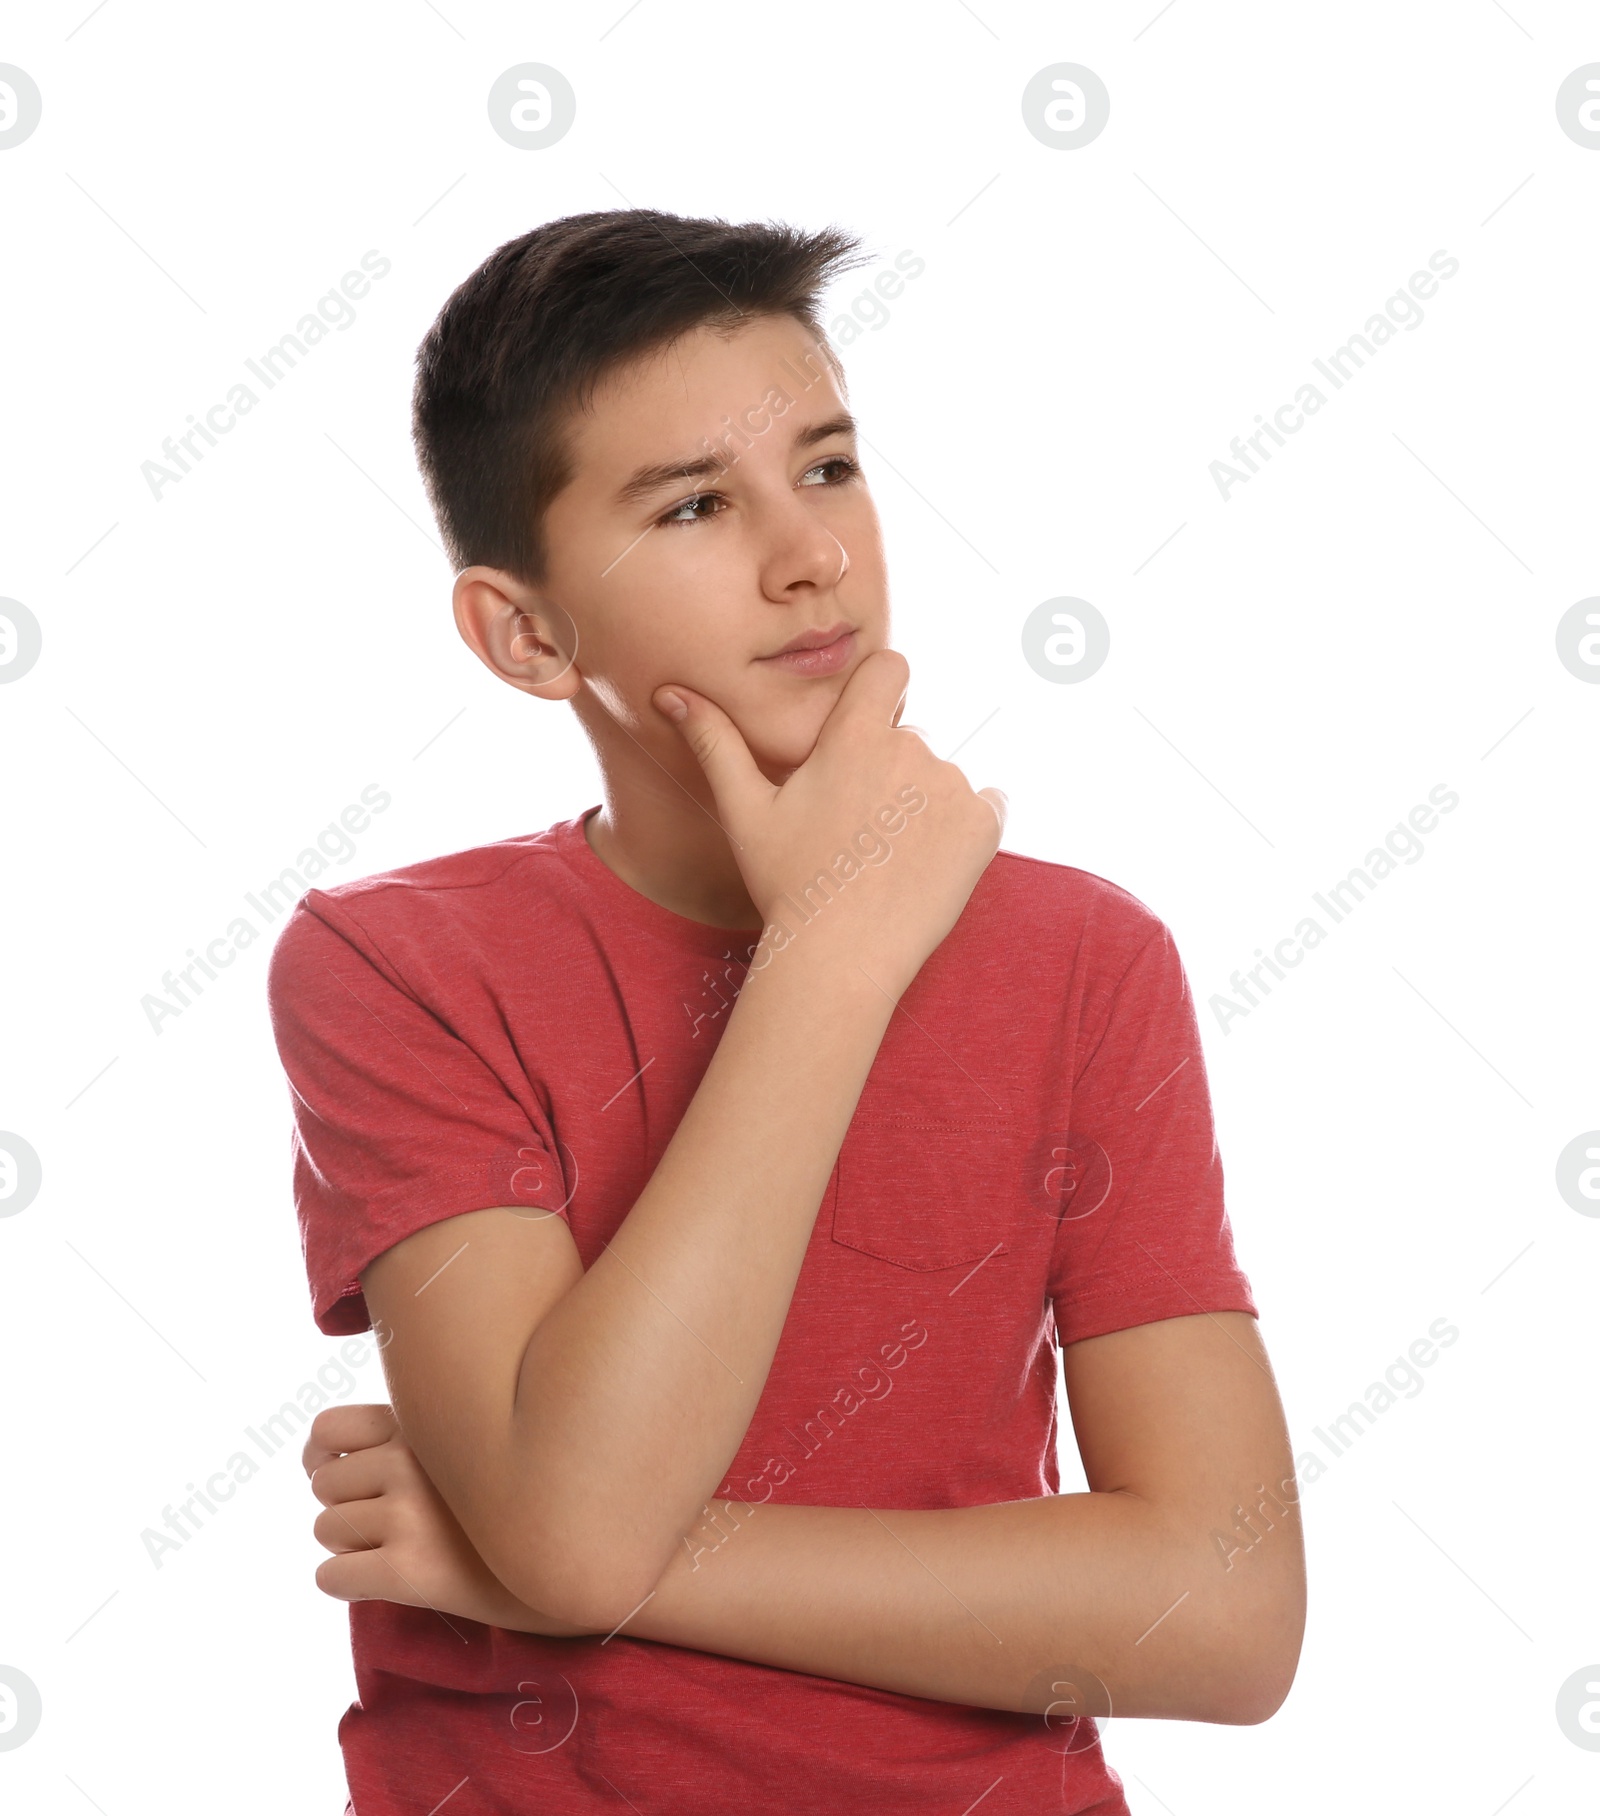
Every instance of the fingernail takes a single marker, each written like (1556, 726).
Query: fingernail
(671, 704)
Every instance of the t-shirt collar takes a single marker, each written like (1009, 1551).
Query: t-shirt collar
(626, 904)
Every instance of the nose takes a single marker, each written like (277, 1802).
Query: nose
(802, 555)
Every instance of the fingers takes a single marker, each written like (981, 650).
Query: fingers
(351, 1526)
(714, 738)
(384, 1469)
(999, 801)
(338, 1429)
(364, 1576)
(875, 693)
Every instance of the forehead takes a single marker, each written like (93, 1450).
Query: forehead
(660, 405)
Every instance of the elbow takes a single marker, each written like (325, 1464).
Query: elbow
(1241, 1692)
(1255, 1697)
(1261, 1671)
(592, 1601)
(580, 1581)
(568, 1539)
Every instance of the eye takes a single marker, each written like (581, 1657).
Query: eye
(692, 505)
(846, 466)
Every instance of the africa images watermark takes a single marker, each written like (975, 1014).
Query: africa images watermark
(869, 310)
(276, 1431)
(273, 898)
(335, 310)
(1337, 903)
(1402, 310)
(868, 845)
(872, 1382)
(888, 821)
(1401, 1378)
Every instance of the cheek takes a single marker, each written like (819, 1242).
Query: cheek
(862, 537)
(637, 609)
(654, 636)
(684, 605)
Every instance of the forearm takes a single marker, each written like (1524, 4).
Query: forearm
(990, 1606)
(636, 1389)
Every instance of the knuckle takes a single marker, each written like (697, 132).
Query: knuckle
(407, 1529)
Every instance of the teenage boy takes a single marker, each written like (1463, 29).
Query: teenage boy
(723, 1168)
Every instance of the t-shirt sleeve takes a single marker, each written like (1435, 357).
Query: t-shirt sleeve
(1144, 1232)
(398, 1122)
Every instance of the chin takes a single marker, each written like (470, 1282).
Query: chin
(778, 770)
(779, 756)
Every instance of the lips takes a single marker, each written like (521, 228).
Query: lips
(816, 652)
(811, 640)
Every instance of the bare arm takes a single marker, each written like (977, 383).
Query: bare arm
(624, 1392)
(1175, 1588)
(576, 1422)
(1149, 1585)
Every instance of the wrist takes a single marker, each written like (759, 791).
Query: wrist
(827, 964)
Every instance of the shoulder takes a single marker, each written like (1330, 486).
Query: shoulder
(424, 915)
(1042, 903)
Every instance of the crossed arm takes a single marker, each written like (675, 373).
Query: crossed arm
(571, 1423)
(1175, 1588)
(1124, 1591)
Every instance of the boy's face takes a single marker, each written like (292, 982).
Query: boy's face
(702, 578)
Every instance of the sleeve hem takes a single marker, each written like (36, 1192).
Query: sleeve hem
(339, 1306)
(1099, 1316)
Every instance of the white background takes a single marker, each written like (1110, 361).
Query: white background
(1374, 613)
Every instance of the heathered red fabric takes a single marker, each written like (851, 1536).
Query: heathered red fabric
(1032, 1161)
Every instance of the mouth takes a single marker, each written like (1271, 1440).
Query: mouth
(822, 652)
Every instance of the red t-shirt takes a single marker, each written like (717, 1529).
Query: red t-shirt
(1032, 1162)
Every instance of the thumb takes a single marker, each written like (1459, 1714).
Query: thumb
(718, 747)
(1000, 802)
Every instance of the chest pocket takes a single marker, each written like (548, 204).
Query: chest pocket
(921, 1192)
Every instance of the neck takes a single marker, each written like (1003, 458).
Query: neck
(659, 831)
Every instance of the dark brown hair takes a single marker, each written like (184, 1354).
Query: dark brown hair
(524, 341)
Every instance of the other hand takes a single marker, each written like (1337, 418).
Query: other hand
(392, 1536)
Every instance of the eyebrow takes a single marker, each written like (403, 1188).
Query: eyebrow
(652, 478)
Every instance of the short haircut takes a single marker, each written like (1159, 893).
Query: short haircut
(523, 343)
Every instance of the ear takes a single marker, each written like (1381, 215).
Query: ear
(525, 638)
